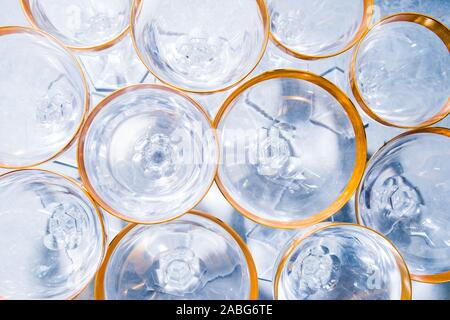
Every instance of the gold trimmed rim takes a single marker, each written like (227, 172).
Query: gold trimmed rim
(99, 288)
(404, 272)
(364, 25)
(432, 24)
(94, 205)
(360, 136)
(16, 29)
(84, 132)
(429, 278)
(266, 24)
(102, 46)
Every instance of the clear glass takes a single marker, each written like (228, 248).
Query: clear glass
(288, 150)
(316, 27)
(148, 153)
(265, 244)
(341, 262)
(405, 195)
(192, 258)
(12, 14)
(43, 97)
(51, 236)
(215, 47)
(81, 23)
(402, 73)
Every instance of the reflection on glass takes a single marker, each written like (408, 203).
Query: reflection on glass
(311, 29)
(81, 24)
(217, 46)
(341, 262)
(293, 149)
(400, 71)
(194, 257)
(405, 195)
(51, 236)
(148, 153)
(43, 97)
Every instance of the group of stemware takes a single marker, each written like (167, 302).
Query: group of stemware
(287, 149)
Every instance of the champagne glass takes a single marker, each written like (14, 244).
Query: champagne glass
(84, 25)
(148, 153)
(293, 149)
(43, 97)
(200, 46)
(340, 261)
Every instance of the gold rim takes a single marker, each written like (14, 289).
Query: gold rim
(404, 272)
(97, 210)
(83, 135)
(105, 45)
(435, 26)
(266, 24)
(365, 23)
(99, 289)
(360, 136)
(15, 29)
(429, 278)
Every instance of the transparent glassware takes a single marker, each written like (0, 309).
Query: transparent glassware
(81, 24)
(315, 29)
(393, 77)
(217, 47)
(293, 149)
(114, 67)
(436, 8)
(148, 153)
(43, 97)
(196, 257)
(405, 195)
(51, 236)
(340, 261)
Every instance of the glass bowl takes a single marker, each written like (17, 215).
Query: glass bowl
(148, 153)
(43, 97)
(405, 195)
(217, 47)
(315, 29)
(293, 149)
(399, 72)
(51, 236)
(81, 24)
(338, 261)
(196, 257)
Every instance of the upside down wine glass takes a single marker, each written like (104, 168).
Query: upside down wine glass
(43, 97)
(399, 72)
(194, 257)
(340, 261)
(200, 46)
(293, 149)
(81, 24)
(148, 153)
(51, 236)
(404, 195)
